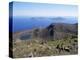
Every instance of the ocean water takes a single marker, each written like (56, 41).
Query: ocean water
(20, 24)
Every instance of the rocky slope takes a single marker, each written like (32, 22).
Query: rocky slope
(56, 39)
(57, 31)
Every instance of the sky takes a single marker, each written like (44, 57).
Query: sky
(27, 9)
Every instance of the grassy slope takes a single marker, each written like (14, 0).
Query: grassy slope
(36, 48)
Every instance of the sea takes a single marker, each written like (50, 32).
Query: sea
(28, 23)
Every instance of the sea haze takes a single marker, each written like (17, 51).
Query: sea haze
(27, 23)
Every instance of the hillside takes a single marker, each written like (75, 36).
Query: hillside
(55, 39)
(57, 31)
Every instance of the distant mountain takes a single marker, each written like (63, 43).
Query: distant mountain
(58, 18)
(57, 31)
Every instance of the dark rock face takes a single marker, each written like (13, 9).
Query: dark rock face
(51, 30)
(57, 31)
